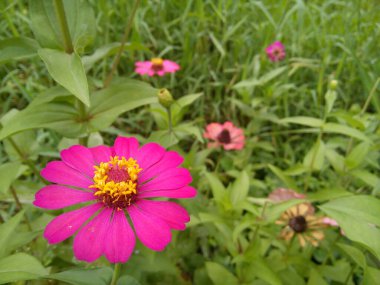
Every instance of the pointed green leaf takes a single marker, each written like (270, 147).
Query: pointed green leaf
(20, 266)
(345, 130)
(7, 230)
(217, 187)
(305, 121)
(99, 276)
(264, 272)
(315, 157)
(17, 48)
(355, 254)
(8, 173)
(240, 188)
(220, 275)
(67, 70)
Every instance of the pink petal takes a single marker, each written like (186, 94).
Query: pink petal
(169, 179)
(126, 147)
(160, 72)
(170, 159)
(120, 239)
(170, 66)
(79, 158)
(54, 197)
(59, 172)
(90, 241)
(149, 155)
(173, 214)
(153, 232)
(101, 153)
(212, 131)
(65, 225)
(184, 192)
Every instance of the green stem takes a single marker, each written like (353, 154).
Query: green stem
(60, 12)
(108, 79)
(82, 114)
(19, 206)
(116, 273)
(25, 160)
(170, 122)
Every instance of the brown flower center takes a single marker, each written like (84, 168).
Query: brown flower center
(298, 224)
(157, 64)
(224, 137)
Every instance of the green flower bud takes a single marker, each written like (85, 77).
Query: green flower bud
(165, 97)
(333, 84)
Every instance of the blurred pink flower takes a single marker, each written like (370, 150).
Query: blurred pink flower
(115, 181)
(226, 135)
(276, 51)
(157, 66)
(330, 222)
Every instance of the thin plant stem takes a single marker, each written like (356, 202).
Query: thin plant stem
(60, 12)
(116, 274)
(25, 160)
(257, 228)
(19, 206)
(170, 122)
(116, 62)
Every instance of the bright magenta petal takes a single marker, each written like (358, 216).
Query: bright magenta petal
(171, 159)
(126, 147)
(170, 66)
(153, 232)
(149, 155)
(90, 241)
(120, 239)
(169, 179)
(54, 197)
(101, 153)
(65, 225)
(173, 214)
(184, 192)
(79, 158)
(59, 172)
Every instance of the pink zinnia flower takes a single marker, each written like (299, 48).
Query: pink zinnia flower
(157, 66)
(226, 135)
(115, 181)
(276, 51)
(282, 194)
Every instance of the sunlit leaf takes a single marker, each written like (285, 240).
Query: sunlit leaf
(220, 275)
(17, 48)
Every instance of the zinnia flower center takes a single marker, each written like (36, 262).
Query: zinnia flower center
(298, 224)
(157, 64)
(115, 182)
(224, 136)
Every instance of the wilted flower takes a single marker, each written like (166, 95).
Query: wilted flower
(301, 222)
(282, 194)
(276, 51)
(116, 181)
(157, 66)
(226, 135)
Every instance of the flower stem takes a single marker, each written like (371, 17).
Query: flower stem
(116, 273)
(60, 12)
(127, 30)
(170, 123)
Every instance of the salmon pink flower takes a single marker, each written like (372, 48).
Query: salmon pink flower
(115, 182)
(276, 51)
(226, 135)
(282, 194)
(157, 66)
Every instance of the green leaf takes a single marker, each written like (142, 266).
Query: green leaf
(127, 280)
(220, 275)
(357, 155)
(345, 130)
(121, 96)
(8, 172)
(179, 105)
(371, 276)
(262, 80)
(17, 48)
(328, 194)
(315, 157)
(355, 254)
(289, 182)
(335, 159)
(367, 177)
(330, 98)
(67, 70)
(357, 216)
(240, 188)
(217, 187)
(57, 116)
(264, 272)
(20, 266)
(305, 121)
(80, 19)
(99, 276)
(7, 230)
(275, 210)
(337, 272)
(315, 278)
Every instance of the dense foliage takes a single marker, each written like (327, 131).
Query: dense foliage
(311, 123)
